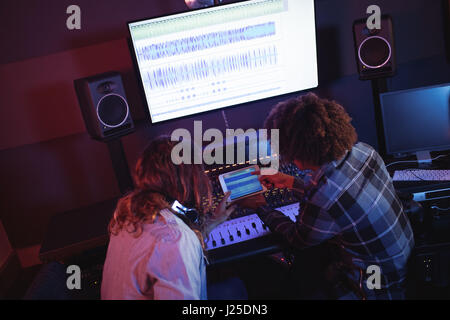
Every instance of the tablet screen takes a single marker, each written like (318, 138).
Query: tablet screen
(242, 183)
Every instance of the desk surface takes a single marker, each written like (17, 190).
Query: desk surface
(399, 163)
(442, 163)
(73, 232)
(77, 230)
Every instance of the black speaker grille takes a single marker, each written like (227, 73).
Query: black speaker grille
(374, 52)
(112, 110)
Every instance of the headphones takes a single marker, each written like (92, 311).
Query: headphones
(188, 213)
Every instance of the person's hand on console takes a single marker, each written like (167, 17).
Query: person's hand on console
(221, 213)
(253, 202)
(278, 180)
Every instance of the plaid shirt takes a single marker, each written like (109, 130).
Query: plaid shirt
(353, 203)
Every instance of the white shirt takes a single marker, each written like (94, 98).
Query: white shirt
(165, 262)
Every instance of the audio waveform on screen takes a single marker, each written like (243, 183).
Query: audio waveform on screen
(202, 69)
(206, 41)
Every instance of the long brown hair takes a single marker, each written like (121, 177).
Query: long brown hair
(312, 129)
(156, 177)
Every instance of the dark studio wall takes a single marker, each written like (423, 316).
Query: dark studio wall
(48, 163)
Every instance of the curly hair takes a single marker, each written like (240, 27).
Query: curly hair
(312, 130)
(156, 178)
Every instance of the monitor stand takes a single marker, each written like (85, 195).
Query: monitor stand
(424, 159)
(120, 165)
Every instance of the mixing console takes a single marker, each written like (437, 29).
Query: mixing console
(244, 228)
(244, 224)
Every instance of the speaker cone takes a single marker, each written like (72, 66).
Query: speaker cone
(374, 52)
(112, 110)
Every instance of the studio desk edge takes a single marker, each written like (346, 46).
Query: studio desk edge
(76, 231)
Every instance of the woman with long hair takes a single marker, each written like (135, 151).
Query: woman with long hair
(157, 251)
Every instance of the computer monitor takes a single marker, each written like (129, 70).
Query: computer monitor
(417, 121)
(226, 55)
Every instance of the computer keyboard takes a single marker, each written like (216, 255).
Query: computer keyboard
(421, 175)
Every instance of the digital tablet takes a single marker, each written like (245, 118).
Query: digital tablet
(241, 183)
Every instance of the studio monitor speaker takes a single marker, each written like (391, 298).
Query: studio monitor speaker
(375, 49)
(104, 106)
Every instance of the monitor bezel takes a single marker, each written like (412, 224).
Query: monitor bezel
(142, 89)
(407, 152)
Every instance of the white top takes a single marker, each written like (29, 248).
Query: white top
(165, 262)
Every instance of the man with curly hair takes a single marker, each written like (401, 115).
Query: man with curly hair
(349, 210)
